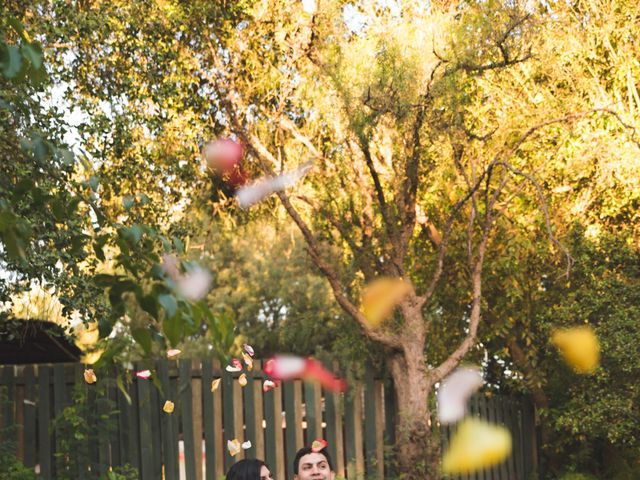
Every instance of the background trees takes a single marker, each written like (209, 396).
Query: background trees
(476, 149)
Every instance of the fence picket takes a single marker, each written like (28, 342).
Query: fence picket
(29, 417)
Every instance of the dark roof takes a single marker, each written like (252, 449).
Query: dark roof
(35, 341)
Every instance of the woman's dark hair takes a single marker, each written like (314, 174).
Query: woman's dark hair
(247, 469)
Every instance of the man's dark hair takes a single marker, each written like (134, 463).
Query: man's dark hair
(306, 451)
(245, 470)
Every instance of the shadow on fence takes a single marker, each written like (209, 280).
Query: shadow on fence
(117, 428)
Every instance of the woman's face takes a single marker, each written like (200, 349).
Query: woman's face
(265, 474)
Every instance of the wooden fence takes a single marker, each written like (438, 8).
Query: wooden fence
(191, 443)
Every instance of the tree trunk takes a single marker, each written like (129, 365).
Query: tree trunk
(417, 448)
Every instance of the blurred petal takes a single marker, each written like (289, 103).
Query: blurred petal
(259, 190)
(90, 376)
(268, 385)
(248, 361)
(171, 266)
(580, 348)
(168, 406)
(248, 349)
(194, 285)
(318, 444)
(242, 380)
(234, 366)
(144, 374)
(87, 335)
(476, 445)
(246, 445)
(174, 352)
(381, 297)
(215, 384)
(234, 447)
(92, 357)
(455, 391)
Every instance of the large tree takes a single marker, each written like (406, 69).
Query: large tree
(428, 128)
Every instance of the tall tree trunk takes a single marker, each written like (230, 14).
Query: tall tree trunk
(418, 453)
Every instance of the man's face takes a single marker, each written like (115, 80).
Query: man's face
(314, 466)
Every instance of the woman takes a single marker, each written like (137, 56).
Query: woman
(249, 470)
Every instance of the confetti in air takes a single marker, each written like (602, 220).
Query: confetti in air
(215, 384)
(261, 189)
(580, 348)
(168, 406)
(455, 391)
(476, 445)
(174, 352)
(242, 380)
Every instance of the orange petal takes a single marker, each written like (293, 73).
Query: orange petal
(215, 384)
(248, 361)
(318, 444)
(234, 447)
(242, 380)
(168, 406)
(381, 297)
(90, 376)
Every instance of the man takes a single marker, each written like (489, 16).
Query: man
(312, 465)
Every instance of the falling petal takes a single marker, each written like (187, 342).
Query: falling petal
(171, 266)
(579, 347)
(248, 361)
(144, 374)
(87, 335)
(248, 349)
(90, 358)
(318, 444)
(257, 191)
(288, 367)
(476, 445)
(268, 385)
(174, 352)
(90, 376)
(381, 297)
(234, 366)
(455, 391)
(234, 447)
(246, 445)
(215, 384)
(168, 406)
(194, 285)
(242, 380)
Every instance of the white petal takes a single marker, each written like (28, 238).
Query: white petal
(195, 285)
(455, 391)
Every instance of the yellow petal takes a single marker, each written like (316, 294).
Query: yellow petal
(234, 447)
(90, 376)
(380, 297)
(87, 335)
(248, 361)
(168, 406)
(579, 346)
(476, 445)
(215, 384)
(92, 357)
(242, 379)
(174, 352)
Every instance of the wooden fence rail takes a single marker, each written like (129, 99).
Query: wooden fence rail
(191, 443)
